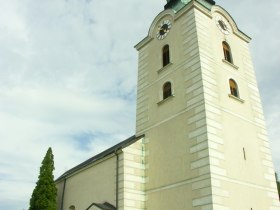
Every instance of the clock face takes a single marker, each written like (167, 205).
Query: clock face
(163, 29)
(222, 25)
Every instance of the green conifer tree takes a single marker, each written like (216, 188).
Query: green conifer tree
(45, 192)
(278, 184)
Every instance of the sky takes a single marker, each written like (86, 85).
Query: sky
(68, 73)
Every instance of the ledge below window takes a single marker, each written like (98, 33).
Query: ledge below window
(166, 99)
(231, 64)
(164, 68)
(236, 98)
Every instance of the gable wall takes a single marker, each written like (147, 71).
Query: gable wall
(96, 183)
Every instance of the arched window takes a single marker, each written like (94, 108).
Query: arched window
(72, 207)
(165, 55)
(233, 88)
(167, 90)
(227, 52)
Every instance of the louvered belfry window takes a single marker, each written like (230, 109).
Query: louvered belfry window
(227, 52)
(167, 90)
(165, 55)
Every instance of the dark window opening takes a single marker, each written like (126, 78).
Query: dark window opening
(165, 55)
(233, 88)
(167, 90)
(227, 52)
(244, 153)
(72, 207)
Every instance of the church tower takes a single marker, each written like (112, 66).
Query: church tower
(198, 106)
